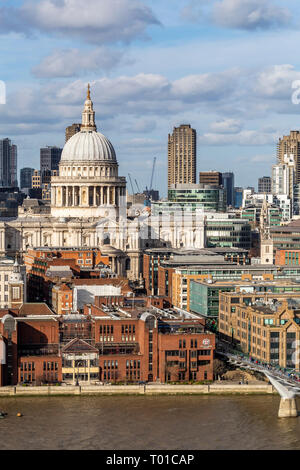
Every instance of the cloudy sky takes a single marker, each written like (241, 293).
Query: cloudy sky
(227, 67)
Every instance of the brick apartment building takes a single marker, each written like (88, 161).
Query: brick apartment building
(114, 344)
(48, 266)
(266, 326)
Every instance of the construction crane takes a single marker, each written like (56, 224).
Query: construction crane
(148, 191)
(138, 188)
(129, 176)
(151, 183)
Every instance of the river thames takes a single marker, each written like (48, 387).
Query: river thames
(146, 423)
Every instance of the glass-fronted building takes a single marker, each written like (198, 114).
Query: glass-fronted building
(192, 197)
(228, 233)
(204, 297)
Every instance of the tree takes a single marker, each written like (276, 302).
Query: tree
(220, 368)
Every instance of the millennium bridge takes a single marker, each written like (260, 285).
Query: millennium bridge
(287, 388)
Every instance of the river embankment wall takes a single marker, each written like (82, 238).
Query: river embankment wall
(153, 389)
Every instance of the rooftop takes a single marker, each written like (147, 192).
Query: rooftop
(251, 269)
(249, 284)
(29, 309)
(293, 226)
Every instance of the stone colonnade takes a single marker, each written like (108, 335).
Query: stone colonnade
(87, 196)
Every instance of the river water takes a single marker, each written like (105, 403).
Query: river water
(147, 423)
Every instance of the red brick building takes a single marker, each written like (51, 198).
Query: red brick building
(287, 257)
(65, 296)
(48, 266)
(111, 344)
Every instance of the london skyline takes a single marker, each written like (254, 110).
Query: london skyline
(153, 68)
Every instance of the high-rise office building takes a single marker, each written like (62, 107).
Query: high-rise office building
(8, 164)
(238, 197)
(72, 130)
(283, 176)
(290, 145)
(265, 185)
(26, 178)
(50, 158)
(182, 155)
(228, 183)
(210, 177)
(14, 166)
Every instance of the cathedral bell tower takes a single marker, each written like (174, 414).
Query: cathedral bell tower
(88, 114)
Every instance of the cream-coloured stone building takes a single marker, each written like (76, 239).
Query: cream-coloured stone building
(88, 209)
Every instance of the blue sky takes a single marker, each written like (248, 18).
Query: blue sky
(224, 66)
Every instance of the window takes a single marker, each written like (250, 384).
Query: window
(15, 293)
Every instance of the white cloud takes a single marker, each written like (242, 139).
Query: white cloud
(75, 62)
(238, 14)
(227, 126)
(263, 159)
(208, 86)
(221, 103)
(250, 14)
(96, 21)
(243, 138)
(276, 82)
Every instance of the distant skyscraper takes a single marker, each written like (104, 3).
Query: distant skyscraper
(26, 178)
(72, 130)
(182, 155)
(265, 185)
(290, 145)
(238, 197)
(210, 177)
(283, 177)
(228, 183)
(50, 158)
(14, 166)
(8, 164)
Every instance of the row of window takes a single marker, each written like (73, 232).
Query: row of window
(133, 374)
(27, 366)
(109, 329)
(50, 366)
(130, 364)
(108, 375)
(110, 364)
(129, 338)
(128, 328)
(106, 329)
(30, 377)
